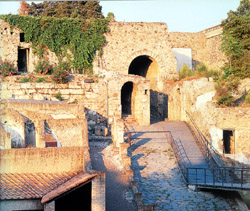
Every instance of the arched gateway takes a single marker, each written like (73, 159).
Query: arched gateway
(146, 66)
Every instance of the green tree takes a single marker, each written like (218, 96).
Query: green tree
(69, 9)
(236, 40)
(111, 16)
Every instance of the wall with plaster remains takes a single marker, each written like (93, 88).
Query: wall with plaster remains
(46, 160)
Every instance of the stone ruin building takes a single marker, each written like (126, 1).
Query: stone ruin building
(139, 63)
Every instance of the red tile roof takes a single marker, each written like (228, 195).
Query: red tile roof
(31, 186)
(70, 184)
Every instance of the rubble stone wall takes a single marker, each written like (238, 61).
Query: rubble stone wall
(205, 45)
(126, 41)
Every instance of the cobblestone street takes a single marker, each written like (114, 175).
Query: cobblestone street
(160, 181)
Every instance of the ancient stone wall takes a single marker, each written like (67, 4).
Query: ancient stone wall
(14, 123)
(195, 41)
(5, 139)
(46, 160)
(205, 45)
(101, 98)
(197, 97)
(126, 41)
(70, 132)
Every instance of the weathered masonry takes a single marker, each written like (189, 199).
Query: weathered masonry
(137, 64)
(147, 50)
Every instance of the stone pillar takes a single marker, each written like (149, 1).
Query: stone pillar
(118, 131)
(40, 134)
(98, 192)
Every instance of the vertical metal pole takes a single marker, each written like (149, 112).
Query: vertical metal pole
(205, 170)
(196, 175)
(241, 177)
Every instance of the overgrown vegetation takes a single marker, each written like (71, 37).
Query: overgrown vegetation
(58, 96)
(43, 67)
(40, 79)
(236, 41)
(60, 76)
(236, 45)
(25, 79)
(72, 38)
(247, 97)
(200, 71)
(62, 9)
(7, 68)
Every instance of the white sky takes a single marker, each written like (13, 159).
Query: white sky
(180, 15)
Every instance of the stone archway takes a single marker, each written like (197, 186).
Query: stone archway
(127, 99)
(147, 67)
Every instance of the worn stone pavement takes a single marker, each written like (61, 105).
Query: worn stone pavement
(118, 194)
(159, 179)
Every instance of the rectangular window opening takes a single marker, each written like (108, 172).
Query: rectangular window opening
(228, 142)
(21, 37)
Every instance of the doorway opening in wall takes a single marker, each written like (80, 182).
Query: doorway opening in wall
(228, 141)
(23, 60)
(77, 199)
(126, 99)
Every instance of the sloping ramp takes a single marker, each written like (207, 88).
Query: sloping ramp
(197, 171)
(195, 162)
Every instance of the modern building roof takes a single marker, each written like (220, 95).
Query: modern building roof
(31, 186)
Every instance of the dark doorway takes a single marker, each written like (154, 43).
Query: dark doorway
(23, 59)
(78, 199)
(126, 98)
(228, 141)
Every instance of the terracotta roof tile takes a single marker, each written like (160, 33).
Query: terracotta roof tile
(27, 186)
(70, 184)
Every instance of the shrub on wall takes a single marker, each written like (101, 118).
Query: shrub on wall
(225, 87)
(185, 72)
(7, 68)
(226, 99)
(200, 71)
(247, 98)
(60, 76)
(43, 67)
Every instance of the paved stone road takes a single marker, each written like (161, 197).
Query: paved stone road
(118, 194)
(160, 181)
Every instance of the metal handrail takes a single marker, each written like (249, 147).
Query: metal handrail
(207, 151)
(234, 173)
